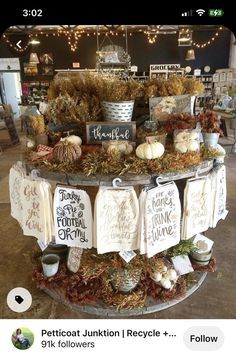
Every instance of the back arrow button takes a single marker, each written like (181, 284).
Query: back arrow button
(18, 44)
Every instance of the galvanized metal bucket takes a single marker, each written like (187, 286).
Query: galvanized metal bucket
(118, 111)
(210, 139)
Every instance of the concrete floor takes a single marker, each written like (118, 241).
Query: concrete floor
(216, 298)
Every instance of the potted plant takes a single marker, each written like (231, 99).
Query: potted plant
(210, 123)
(117, 98)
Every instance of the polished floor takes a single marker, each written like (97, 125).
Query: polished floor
(216, 298)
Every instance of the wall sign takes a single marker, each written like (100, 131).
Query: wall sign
(98, 132)
(164, 67)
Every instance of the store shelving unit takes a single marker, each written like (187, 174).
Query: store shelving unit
(37, 90)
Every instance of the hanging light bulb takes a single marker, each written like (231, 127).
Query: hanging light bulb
(190, 55)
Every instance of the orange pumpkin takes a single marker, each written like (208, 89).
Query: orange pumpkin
(66, 152)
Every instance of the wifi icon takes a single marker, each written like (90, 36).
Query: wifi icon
(200, 12)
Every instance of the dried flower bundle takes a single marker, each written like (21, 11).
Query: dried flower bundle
(210, 122)
(174, 86)
(38, 124)
(101, 162)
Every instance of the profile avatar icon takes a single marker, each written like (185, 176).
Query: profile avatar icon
(22, 338)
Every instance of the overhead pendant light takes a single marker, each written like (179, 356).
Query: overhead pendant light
(33, 58)
(190, 55)
(185, 37)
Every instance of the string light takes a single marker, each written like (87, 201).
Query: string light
(208, 42)
(72, 36)
(17, 49)
(152, 33)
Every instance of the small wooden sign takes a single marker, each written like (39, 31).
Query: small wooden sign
(97, 132)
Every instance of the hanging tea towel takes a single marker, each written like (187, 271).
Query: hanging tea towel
(142, 241)
(16, 177)
(48, 208)
(219, 193)
(37, 213)
(162, 218)
(197, 207)
(116, 219)
(72, 217)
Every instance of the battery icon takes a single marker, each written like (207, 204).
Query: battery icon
(216, 12)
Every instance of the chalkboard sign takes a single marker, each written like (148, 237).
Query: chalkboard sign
(10, 125)
(98, 132)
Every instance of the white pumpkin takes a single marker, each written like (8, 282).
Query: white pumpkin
(181, 147)
(182, 136)
(193, 145)
(171, 275)
(193, 135)
(150, 151)
(122, 146)
(74, 139)
(166, 283)
(156, 276)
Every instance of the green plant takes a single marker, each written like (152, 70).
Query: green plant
(183, 248)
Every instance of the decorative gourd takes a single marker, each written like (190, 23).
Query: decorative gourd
(66, 152)
(150, 151)
(122, 146)
(193, 145)
(74, 139)
(181, 147)
(187, 141)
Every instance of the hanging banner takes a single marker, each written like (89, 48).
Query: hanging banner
(162, 218)
(72, 217)
(116, 219)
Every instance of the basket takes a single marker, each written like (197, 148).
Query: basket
(118, 111)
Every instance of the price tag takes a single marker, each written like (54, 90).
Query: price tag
(127, 255)
(41, 245)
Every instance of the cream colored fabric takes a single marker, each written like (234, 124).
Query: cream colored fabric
(73, 217)
(218, 193)
(197, 207)
(37, 218)
(116, 220)
(162, 218)
(142, 242)
(16, 176)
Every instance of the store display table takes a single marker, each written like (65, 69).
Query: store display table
(151, 305)
(127, 179)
